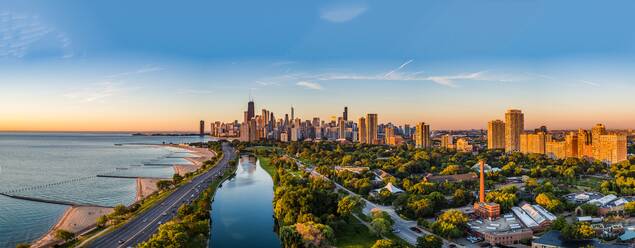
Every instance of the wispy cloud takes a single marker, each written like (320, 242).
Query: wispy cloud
(309, 85)
(267, 83)
(398, 68)
(143, 70)
(594, 84)
(21, 35)
(95, 92)
(342, 13)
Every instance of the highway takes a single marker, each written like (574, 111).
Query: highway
(146, 224)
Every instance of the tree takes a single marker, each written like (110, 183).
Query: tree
(22, 245)
(290, 238)
(164, 184)
(450, 170)
(176, 178)
(381, 226)
(429, 241)
(578, 231)
(461, 197)
(559, 224)
(64, 235)
(315, 234)
(349, 205)
(450, 224)
(547, 201)
(120, 209)
(629, 207)
(506, 200)
(385, 243)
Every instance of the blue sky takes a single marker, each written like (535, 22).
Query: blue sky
(163, 65)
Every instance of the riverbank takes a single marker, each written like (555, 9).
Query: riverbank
(76, 219)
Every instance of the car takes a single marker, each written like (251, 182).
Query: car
(160, 222)
(416, 229)
(120, 241)
(165, 213)
(145, 220)
(396, 230)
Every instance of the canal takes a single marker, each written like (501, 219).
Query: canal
(242, 213)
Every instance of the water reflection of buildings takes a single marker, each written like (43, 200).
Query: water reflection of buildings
(248, 163)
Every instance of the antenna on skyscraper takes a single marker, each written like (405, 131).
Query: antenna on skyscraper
(251, 99)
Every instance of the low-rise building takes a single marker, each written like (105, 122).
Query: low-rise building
(507, 230)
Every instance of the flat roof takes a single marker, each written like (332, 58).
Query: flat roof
(499, 225)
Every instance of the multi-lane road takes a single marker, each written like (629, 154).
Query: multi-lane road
(146, 224)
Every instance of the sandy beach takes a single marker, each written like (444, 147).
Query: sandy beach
(146, 187)
(76, 220)
(79, 219)
(183, 169)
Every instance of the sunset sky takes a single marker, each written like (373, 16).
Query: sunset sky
(158, 66)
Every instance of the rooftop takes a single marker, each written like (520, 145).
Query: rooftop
(553, 238)
(505, 224)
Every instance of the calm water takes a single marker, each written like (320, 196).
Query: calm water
(242, 214)
(63, 166)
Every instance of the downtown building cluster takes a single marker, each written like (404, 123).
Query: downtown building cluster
(596, 144)
(367, 129)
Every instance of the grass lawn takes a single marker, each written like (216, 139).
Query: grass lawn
(354, 235)
(265, 163)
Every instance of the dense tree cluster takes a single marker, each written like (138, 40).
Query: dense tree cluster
(190, 228)
(450, 224)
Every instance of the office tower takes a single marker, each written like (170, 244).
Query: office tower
(612, 148)
(286, 120)
(463, 145)
(447, 141)
(342, 129)
(316, 122)
(496, 134)
(251, 110)
(252, 130)
(422, 135)
(245, 117)
(406, 131)
(372, 129)
(292, 113)
(534, 142)
(571, 145)
(362, 131)
(345, 114)
(514, 126)
(272, 122)
(596, 132)
(389, 135)
(202, 128)
(585, 148)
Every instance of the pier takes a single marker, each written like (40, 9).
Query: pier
(50, 201)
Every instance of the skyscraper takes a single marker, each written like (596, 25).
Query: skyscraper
(202, 128)
(596, 132)
(345, 114)
(372, 129)
(292, 114)
(611, 148)
(447, 141)
(362, 131)
(422, 135)
(496, 134)
(514, 126)
(342, 129)
(571, 145)
(251, 110)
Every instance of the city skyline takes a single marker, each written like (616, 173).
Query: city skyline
(68, 67)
